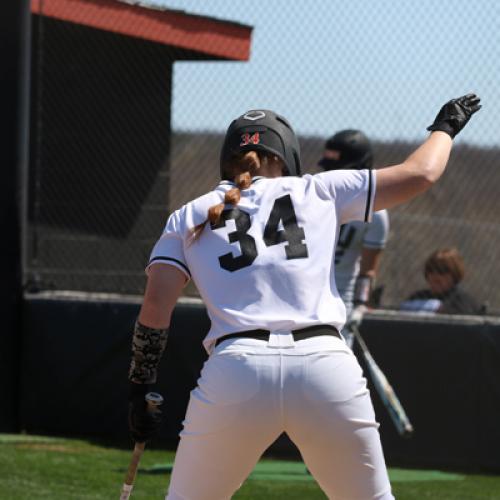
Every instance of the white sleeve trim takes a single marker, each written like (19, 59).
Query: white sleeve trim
(374, 246)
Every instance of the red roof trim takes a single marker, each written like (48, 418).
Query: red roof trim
(208, 36)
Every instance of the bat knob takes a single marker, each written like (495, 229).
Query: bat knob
(408, 431)
(153, 399)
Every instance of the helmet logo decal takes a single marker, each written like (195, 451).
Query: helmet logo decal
(254, 115)
(247, 139)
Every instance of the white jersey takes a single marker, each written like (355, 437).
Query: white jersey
(353, 237)
(268, 263)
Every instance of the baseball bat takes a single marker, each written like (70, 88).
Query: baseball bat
(382, 385)
(153, 399)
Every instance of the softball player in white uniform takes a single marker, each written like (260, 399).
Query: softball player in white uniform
(354, 237)
(360, 243)
(260, 249)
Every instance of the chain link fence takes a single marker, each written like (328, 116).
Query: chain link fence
(127, 128)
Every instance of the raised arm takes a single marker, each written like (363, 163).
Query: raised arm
(401, 183)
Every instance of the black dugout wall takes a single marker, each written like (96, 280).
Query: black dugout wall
(444, 370)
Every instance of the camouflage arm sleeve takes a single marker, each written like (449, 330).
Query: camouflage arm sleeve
(148, 345)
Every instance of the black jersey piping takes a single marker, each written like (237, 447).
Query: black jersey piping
(369, 198)
(231, 183)
(259, 178)
(172, 260)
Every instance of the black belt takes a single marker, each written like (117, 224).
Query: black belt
(300, 334)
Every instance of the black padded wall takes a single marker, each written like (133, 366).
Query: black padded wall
(14, 78)
(444, 371)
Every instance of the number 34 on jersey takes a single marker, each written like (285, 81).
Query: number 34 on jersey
(292, 234)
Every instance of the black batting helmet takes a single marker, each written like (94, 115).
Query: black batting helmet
(262, 130)
(355, 151)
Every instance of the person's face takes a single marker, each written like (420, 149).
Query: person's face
(331, 154)
(439, 282)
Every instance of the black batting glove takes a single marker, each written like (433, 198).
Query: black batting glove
(144, 422)
(455, 114)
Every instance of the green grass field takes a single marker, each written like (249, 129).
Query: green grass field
(38, 467)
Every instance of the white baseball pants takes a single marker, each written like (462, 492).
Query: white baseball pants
(250, 391)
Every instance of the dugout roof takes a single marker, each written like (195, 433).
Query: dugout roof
(207, 36)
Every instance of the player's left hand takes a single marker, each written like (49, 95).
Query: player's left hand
(455, 114)
(356, 317)
(144, 423)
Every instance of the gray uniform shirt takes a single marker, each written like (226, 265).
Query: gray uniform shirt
(353, 237)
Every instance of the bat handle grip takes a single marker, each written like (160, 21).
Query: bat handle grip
(153, 400)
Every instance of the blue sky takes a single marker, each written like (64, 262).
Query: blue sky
(384, 66)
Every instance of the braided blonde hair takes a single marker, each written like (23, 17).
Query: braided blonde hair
(241, 168)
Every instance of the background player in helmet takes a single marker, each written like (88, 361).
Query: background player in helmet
(260, 248)
(360, 244)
